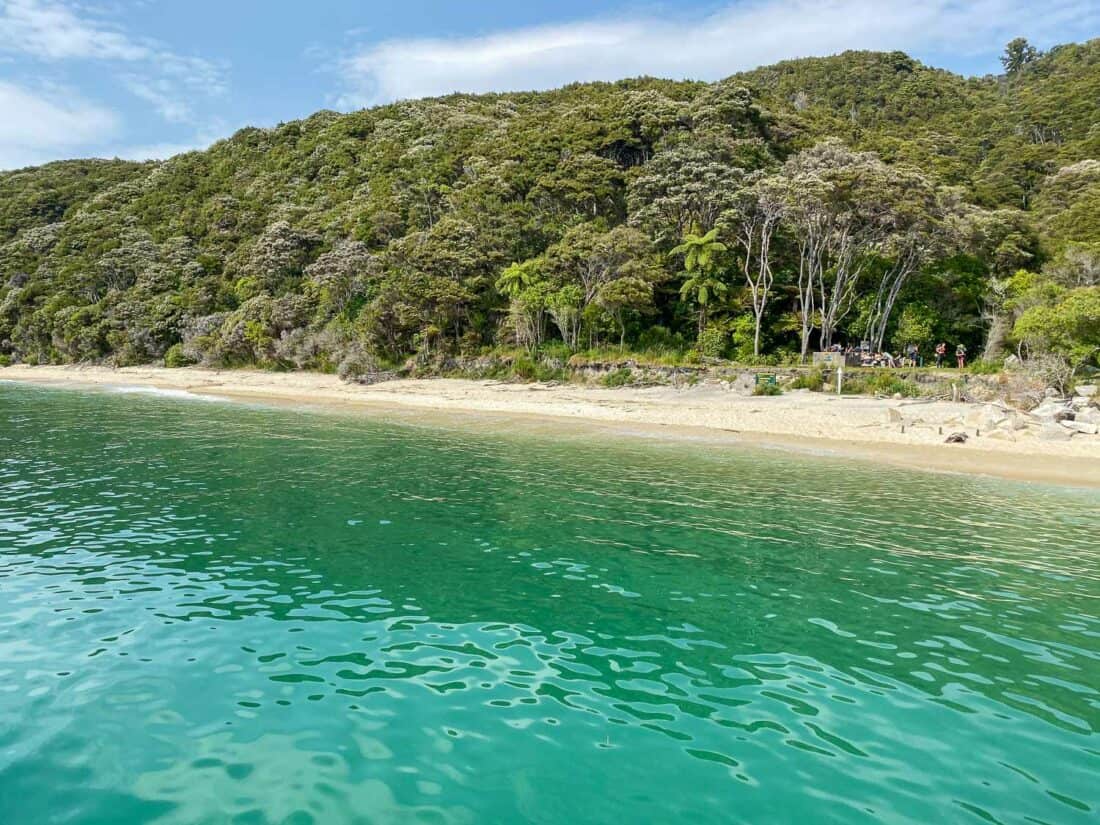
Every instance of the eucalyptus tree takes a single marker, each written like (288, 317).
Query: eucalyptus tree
(760, 210)
(849, 209)
(907, 236)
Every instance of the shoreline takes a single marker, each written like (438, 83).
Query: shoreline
(811, 423)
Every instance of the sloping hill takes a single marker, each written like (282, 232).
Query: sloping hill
(384, 231)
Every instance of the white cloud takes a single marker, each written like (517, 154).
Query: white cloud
(162, 96)
(36, 126)
(736, 37)
(52, 31)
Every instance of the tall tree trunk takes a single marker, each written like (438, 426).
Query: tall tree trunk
(995, 337)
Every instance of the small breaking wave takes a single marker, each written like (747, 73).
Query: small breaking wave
(161, 392)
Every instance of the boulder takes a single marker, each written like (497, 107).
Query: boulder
(992, 417)
(1086, 390)
(744, 384)
(1081, 427)
(956, 438)
(1011, 423)
(1053, 411)
(1089, 415)
(1054, 432)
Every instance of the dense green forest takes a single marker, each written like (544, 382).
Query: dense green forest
(861, 197)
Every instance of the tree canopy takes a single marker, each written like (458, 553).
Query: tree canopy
(864, 196)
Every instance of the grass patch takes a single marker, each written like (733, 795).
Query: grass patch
(767, 389)
(812, 380)
(621, 377)
(985, 367)
(881, 383)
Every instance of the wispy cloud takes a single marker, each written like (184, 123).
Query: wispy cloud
(38, 124)
(162, 96)
(54, 32)
(735, 37)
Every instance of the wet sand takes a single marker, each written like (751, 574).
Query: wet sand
(856, 427)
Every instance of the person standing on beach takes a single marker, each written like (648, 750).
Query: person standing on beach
(960, 355)
(941, 353)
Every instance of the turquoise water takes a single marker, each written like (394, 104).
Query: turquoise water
(215, 613)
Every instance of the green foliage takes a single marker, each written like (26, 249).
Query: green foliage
(176, 357)
(621, 377)
(741, 336)
(1018, 54)
(1068, 326)
(812, 380)
(43, 195)
(767, 389)
(917, 325)
(879, 382)
(712, 341)
(584, 217)
(991, 367)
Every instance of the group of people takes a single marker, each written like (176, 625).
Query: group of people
(911, 357)
(960, 354)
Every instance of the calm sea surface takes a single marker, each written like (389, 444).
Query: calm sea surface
(213, 613)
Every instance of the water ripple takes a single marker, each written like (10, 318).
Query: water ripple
(211, 613)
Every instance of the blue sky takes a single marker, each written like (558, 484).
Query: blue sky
(148, 78)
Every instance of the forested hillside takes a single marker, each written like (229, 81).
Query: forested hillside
(857, 197)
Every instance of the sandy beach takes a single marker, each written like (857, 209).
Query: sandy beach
(901, 432)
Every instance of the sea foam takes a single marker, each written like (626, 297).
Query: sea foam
(136, 389)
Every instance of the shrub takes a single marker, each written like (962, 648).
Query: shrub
(767, 389)
(742, 331)
(618, 378)
(523, 367)
(5, 360)
(812, 380)
(986, 367)
(545, 369)
(881, 383)
(358, 364)
(176, 357)
(660, 338)
(712, 342)
(751, 360)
